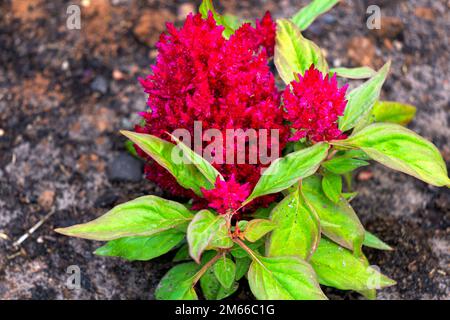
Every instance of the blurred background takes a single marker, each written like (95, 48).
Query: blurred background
(64, 94)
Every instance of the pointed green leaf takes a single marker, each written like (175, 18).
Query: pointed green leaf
(332, 186)
(283, 278)
(242, 265)
(212, 289)
(167, 155)
(308, 14)
(225, 271)
(297, 231)
(286, 171)
(362, 99)
(338, 221)
(203, 230)
(341, 165)
(143, 216)
(177, 284)
(394, 112)
(294, 54)
(401, 149)
(258, 228)
(142, 248)
(372, 241)
(354, 73)
(208, 171)
(339, 268)
(182, 254)
(238, 252)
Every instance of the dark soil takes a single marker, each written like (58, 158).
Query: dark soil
(64, 94)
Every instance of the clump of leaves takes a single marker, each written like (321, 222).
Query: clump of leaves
(311, 236)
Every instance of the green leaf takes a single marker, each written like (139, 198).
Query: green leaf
(258, 228)
(354, 73)
(283, 278)
(332, 186)
(207, 6)
(142, 248)
(225, 271)
(182, 254)
(143, 216)
(294, 54)
(286, 171)
(338, 221)
(208, 171)
(212, 289)
(394, 112)
(239, 253)
(177, 284)
(308, 14)
(203, 230)
(297, 231)
(401, 149)
(242, 265)
(163, 152)
(372, 241)
(339, 268)
(341, 165)
(362, 99)
(129, 146)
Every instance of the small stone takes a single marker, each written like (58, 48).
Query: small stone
(117, 75)
(184, 9)
(391, 27)
(361, 51)
(106, 200)
(2, 132)
(150, 25)
(424, 13)
(365, 175)
(100, 85)
(124, 167)
(46, 199)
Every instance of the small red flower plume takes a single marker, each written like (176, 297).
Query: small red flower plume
(227, 195)
(266, 28)
(313, 105)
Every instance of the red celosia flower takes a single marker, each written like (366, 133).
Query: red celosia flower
(225, 84)
(227, 196)
(313, 105)
(266, 28)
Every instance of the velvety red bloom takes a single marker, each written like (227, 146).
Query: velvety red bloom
(227, 195)
(313, 105)
(266, 28)
(225, 84)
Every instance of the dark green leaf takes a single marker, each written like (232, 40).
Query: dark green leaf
(168, 156)
(242, 265)
(283, 278)
(338, 221)
(362, 99)
(182, 254)
(286, 171)
(211, 288)
(142, 248)
(177, 284)
(294, 54)
(308, 14)
(297, 231)
(339, 268)
(143, 216)
(401, 149)
(341, 165)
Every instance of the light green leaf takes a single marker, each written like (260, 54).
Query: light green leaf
(143, 216)
(283, 278)
(308, 14)
(362, 99)
(286, 171)
(372, 241)
(401, 149)
(332, 186)
(294, 54)
(186, 174)
(203, 230)
(339, 268)
(354, 73)
(177, 284)
(394, 112)
(182, 254)
(242, 265)
(338, 221)
(205, 7)
(258, 228)
(341, 165)
(142, 248)
(297, 231)
(225, 271)
(212, 289)
(208, 171)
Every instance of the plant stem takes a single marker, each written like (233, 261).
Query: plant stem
(205, 267)
(246, 248)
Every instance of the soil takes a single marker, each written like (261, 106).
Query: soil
(64, 94)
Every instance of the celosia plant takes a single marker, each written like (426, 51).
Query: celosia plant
(285, 225)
